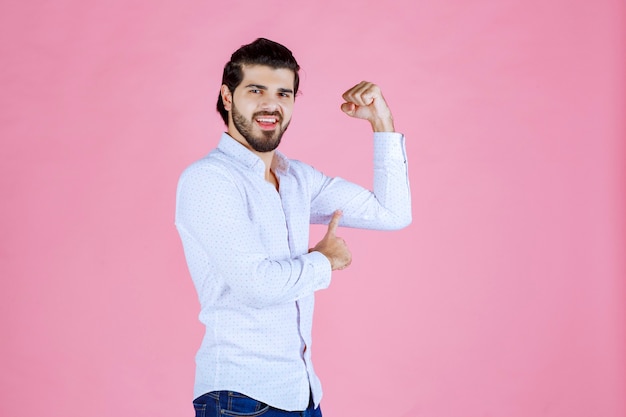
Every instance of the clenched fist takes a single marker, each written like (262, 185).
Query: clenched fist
(366, 101)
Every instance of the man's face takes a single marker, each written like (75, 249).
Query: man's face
(260, 107)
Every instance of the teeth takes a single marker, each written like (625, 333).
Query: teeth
(266, 120)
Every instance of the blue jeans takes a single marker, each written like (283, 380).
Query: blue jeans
(234, 404)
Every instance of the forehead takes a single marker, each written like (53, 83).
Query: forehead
(268, 76)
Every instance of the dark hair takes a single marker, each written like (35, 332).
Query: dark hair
(260, 52)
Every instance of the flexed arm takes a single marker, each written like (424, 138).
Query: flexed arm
(388, 205)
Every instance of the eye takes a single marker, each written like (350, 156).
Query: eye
(284, 95)
(255, 91)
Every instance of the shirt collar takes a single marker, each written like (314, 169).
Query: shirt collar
(236, 151)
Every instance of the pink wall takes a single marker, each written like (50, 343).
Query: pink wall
(506, 295)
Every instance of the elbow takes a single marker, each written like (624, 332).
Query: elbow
(407, 220)
(402, 222)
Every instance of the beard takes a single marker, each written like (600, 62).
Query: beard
(265, 140)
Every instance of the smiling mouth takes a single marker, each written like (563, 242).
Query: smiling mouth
(267, 122)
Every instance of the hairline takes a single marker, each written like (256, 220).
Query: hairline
(243, 66)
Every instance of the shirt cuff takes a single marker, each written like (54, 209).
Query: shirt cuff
(389, 145)
(322, 270)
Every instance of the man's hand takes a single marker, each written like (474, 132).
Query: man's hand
(365, 101)
(333, 247)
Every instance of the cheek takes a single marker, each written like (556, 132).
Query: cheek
(246, 106)
(288, 111)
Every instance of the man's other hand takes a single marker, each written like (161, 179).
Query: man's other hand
(334, 247)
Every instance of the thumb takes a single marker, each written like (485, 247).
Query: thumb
(334, 222)
(348, 108)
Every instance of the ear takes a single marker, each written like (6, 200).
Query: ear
(227, 97)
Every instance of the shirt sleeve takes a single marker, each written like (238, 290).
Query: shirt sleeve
(224, 253)
(387, 207)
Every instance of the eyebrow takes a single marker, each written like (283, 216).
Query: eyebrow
(262, 87)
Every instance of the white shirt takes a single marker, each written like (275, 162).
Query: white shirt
(247, 247)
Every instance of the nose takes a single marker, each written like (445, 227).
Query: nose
(269, 103)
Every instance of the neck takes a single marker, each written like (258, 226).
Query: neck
(266, 157)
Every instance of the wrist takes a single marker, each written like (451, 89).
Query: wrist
(383, 125)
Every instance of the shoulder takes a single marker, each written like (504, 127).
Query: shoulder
(211, 168)
(206, 179)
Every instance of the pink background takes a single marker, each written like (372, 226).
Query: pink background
(504, 298)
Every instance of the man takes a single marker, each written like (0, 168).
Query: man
(243, 214)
